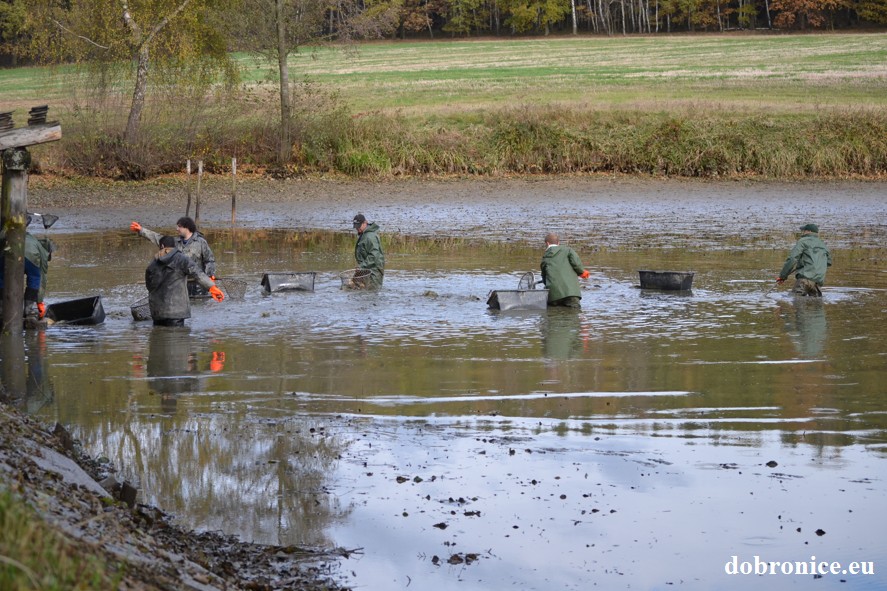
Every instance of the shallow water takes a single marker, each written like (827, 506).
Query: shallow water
(621, 446)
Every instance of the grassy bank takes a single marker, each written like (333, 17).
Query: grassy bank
(788, 106)
(34, 555)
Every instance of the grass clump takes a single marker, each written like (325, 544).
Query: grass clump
(35, 556)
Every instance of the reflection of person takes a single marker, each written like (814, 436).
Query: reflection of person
(38, 389)
(172, 366)
(166, 279)
(192, 243)
(368, 251)
(560, 269)
(38, 253)
(562, 334)
(809, 326)
(809, 260)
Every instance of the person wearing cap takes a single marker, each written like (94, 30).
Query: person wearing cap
(192, 243)
(167, 281)
(808, 260)
(368, 251)
(561, 269)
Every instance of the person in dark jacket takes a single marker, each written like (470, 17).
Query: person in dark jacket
(192, 243)
(368, 252)
(167, 281)
(560, 269)
(808, 260)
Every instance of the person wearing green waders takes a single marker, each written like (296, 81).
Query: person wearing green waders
(368, 252)
(561, 269)
(809, 260)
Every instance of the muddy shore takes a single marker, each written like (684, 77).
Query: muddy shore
(593, 211)
(50, 473)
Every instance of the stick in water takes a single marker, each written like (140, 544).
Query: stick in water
(197, 199)
(188, 183)
(233, 189)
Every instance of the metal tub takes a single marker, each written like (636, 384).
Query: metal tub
(667, 280)
(518, 299)
(274, 282)
(85, 311)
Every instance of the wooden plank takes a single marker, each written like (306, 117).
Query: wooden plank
(31, 135)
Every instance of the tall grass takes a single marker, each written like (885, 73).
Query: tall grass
(523, 140)
(35, 556)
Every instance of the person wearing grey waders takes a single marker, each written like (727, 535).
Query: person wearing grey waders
(808, 260)
(368, 252)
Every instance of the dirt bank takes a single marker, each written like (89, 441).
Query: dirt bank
(141, 547)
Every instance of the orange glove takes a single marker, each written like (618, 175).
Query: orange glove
(135, 227)
(213, 277)
(216, 293)
(217, 363)
(780, 281)
(41, 310)
(585, 274)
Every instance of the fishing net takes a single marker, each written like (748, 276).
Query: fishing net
(234, 289)
(355, 278)
(527, 281)
(140, 310)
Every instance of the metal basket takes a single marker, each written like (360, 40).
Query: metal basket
(527, 281)
(234, 289)
(140, 310)
(355, 278)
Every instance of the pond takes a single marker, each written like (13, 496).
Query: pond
(640, 442)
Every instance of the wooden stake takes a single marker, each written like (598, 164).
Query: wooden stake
(197, 199)
(233, 189)
(14, 210)
(188, 184)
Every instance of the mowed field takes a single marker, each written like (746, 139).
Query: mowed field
(785, 73)
(746, 72)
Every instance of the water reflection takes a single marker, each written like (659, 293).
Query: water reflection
(565, 334)
(805, 324)
(172, 365)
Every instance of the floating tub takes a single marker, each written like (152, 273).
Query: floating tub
(518, 299)
(273, 282)
(667, 280)
(83, 312)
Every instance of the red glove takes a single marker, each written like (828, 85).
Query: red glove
(780, 281)
(216, 293)
(41, 310)
(135, 227)
(217, 363)
(585, 274)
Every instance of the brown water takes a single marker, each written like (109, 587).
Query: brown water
(621, 446)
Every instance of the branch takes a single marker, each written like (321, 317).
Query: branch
(87, 39)
(130, 23)
(166, 20)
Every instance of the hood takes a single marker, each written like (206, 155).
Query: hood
(374, 227)
(165, 254)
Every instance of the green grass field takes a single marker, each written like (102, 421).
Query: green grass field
(742, 72)
(783, 106)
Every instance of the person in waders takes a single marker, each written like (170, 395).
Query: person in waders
(368, 252)
(808, 260)
(38, 253)
(167, 281)
(192, 243)
(561, 269)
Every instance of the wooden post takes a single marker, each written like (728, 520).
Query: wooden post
(197, 199)
(188, 185)
(14, 210)
(233, 190)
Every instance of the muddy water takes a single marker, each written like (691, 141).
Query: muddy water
(625, 445)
